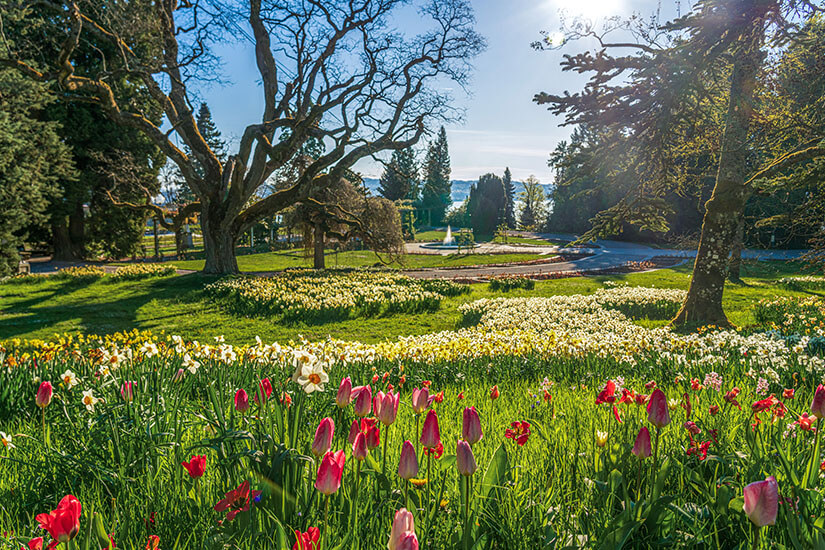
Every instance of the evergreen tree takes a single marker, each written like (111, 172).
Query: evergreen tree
(400, 178)
(212, 136)
(437, 187)
(510, 191)
(486, 204)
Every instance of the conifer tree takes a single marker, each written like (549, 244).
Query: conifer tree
(400, 178)
(510, 192)
(437, 186)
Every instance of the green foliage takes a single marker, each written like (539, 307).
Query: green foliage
(506, 283)
(486, 205)
(510, 191)
(399, 181)
(436, 184)
(533, 205)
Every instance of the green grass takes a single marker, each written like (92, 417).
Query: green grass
(277, 261)
(428, 236)
(39, 309)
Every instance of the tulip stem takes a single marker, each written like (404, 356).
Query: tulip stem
(326, 524)
(43, 422)
(756, 531)
(655, 460)
(384, 456)
(357, 485)
(407, 493)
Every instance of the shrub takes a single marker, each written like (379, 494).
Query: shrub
(506, 283)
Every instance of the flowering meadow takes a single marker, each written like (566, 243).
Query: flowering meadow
(543, 423)
(307, 295)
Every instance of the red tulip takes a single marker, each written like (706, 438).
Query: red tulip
(237, 500)
(408, 541)
(408, 465)
(518, 432)
(241, 401)
(608, 394)
(44, 395)
(354, 429)
(464, 458)
(307, 541)
(264, 391)
(787, 393)
(62, 523)
(323, 437)
(471, 426)
(328, 480)
(818, 404)
(494, 393)
(344, 396)
(363, 400)
(657, 411)
(403, 525)
(761, 501)
(386, 407)
(153, 542)
(127, 391)
(430, 435)
(641, 448)
(36, 543)
(195, 466)
(420, 400)
(373, 435)
(359, 447)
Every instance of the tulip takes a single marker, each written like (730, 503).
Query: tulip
(354, 430)
(127, 391)
(420, 400)
(408, 465)
(180, 375)
(323, 437)
(359, 447)
(464, 458)
(36, 543)
(386, 407)
(62, 523)
(363, 401)
(264, 391)
(430, 435)
(328, 480)
(239, 499)
(344, 396)
(44, 395)
(241, 401)
(308, 540)
(373, 436)
(641, 448)
(761, 501)
(403, 525)
(494, 393)
(195, 466)
(818, 404)
(408, 541)
(657, 409)
(471, 426)
(601, 439)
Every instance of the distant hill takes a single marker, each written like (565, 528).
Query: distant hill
(461, 188)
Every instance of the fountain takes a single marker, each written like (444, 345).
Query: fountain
(449, 243)
(448, 240)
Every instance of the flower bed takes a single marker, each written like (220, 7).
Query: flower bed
(506, 283)
(134, 272)
(807, 282)
(306, 295)
(790, 315)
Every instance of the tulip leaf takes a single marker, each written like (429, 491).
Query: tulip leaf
(100, 531)
(497, 472)
(737, 504)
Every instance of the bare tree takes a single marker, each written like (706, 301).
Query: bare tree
(331, 70)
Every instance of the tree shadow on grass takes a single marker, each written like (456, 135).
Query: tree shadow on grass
(101, 308)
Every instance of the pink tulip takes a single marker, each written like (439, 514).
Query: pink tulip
(363, 400)
(818, 404)
(373, 436)
(354, 430)
(408, 541)
(762, 500)
(344, 396)
(328, 480)
(323, 437)
(641, 448)
(420, 400)
(127, 391)
(430, 435)
(179, 376)
(657, 411)
(386, 407)
(241, 401)
(44, 395)
(471, 426)
(403, 525)
(464, 458)
(408, 465)
(359, 447)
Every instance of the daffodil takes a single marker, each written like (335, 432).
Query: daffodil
(69, 379)
(6, 440)
(313, 377)
(89, 400)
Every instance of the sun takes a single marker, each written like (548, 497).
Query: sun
(590, 9)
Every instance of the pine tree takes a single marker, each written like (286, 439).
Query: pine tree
(486, 204)
(400, 177)
(510, 192)
(437, 186)
(209, 131)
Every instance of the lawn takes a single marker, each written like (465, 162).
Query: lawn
(177, 305)
(428, 236)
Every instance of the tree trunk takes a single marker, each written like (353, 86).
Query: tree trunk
(318, 247)
(157, 241)
(735, 265)
(703, 304)
(68, 236)
(218, 243)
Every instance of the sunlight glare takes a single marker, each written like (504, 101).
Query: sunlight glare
(591, 9)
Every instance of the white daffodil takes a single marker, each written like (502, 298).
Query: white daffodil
(69, 379)
(313, 377)
(89, 400)
(6, 440)
(190, 364)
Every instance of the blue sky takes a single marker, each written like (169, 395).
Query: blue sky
(502, 126)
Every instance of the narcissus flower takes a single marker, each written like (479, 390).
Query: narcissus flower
(313, 377)
(518, 431)
(762, 501)
(323, 437)
(641, 447)
(241, 401)
(471, 426)
(62, 523)
(344, 395)
(44, 395)
(89, 400)
(408, 465)
(465, 459)
(5, 440)
(69, 379)
(195, 466)
(430, 434)
(328, 480)
(308, 540)
(237, 500)
(657, 409)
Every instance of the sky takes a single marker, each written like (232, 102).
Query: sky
(502, 126)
